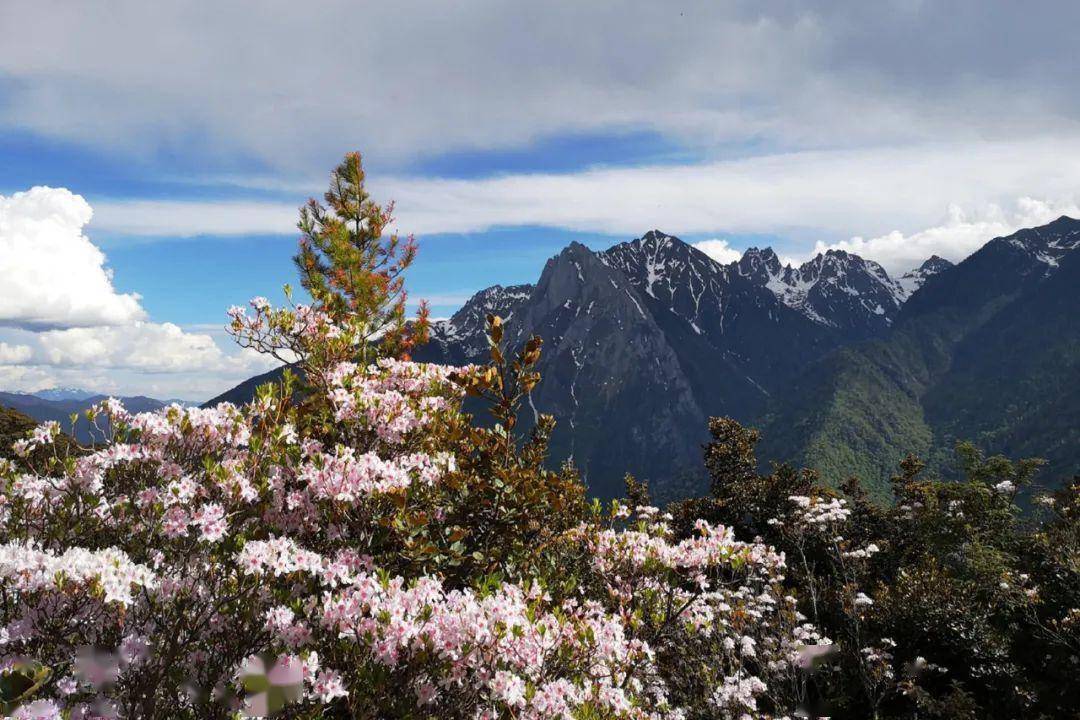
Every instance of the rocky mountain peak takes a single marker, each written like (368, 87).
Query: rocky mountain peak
(759, 264)
(654, 244)
(566, 272)
(1048, 243)
(1063, 224)
(935, 264)
(659, 265)
(912, 280)
(496, 299)
(656, 236)
(835, 288)
(462, 338)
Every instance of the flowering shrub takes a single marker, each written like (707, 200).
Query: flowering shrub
(196, 539)
(949, 603)
(351, 544)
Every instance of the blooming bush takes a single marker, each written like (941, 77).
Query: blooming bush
(952, 602)
(196, 539)
(351, 544)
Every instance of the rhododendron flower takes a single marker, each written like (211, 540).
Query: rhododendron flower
(304, 556)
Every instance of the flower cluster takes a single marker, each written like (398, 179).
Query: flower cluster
(638, 549)
(211, 553)
(26, 569)
(818, 512)
(505, 648)
(392, 398)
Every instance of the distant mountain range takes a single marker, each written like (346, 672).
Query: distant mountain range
(60, 403)
(845, 368)
(64, 393)
(988, 351)
(648, 339)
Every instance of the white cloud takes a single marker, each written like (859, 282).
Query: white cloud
(128, 359)
(719, 250)
(961, 234)
(14, 354)
(820, 195)
(51, 274)
(67, 324)
(26, 378)
(146, 77)
(452, 300)
(833, 194)
(144, 346)
(189, 218)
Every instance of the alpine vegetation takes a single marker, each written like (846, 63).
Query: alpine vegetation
(351, 544)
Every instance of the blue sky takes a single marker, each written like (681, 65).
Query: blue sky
(190, 280)
(503, 131)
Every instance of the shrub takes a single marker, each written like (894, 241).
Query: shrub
(949, 602)
(350, 544)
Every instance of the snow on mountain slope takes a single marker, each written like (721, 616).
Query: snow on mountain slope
(912, 280)
(834, 288)
(461, 338)
(673, 273)
(1049, 243)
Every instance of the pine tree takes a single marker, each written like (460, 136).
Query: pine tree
(353, 271)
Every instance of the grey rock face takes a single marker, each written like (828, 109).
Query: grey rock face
(643, 342)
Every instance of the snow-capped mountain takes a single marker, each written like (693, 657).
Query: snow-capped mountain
(644, 341)
(1047, 244)
(912, 280)
(985, 350)
(65, 393)
(461, 338)
(673, 273)
(836, 288)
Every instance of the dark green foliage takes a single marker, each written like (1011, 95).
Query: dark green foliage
(1012, 384)
(13, 426)
(987, 351)
(975, 603)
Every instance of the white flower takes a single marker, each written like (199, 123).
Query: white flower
(1005, 487)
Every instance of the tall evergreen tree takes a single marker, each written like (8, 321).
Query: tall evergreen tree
(353, 271)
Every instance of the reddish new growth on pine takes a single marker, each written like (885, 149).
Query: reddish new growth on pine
(352, 270)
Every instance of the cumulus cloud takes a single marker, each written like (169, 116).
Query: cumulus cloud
(51, 274)
(66, 323)
(144, 346)
(719, 250)
(962, 233)
(130, 359)
(26, 378)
